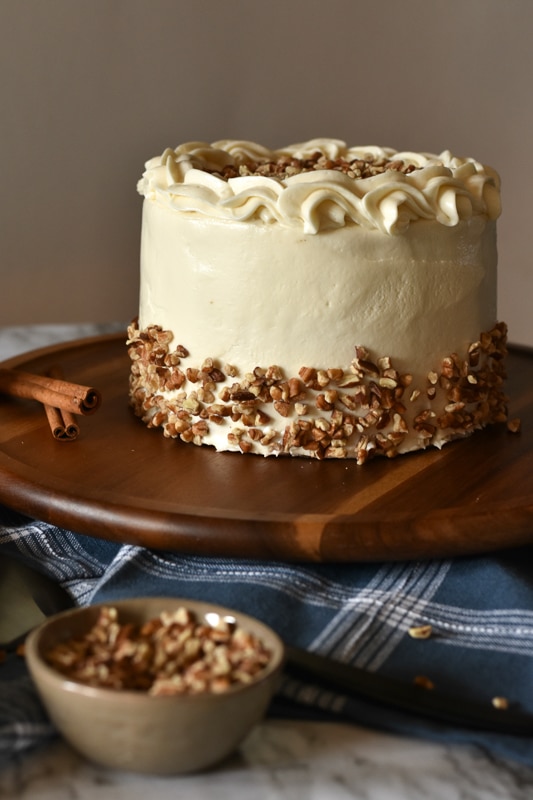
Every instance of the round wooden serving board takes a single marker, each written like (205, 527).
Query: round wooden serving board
(123, 482)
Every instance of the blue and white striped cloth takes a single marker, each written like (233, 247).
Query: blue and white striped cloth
(481, 611)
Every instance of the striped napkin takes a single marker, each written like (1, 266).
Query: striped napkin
(480, 611)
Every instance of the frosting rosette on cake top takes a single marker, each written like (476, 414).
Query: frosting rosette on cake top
(321, 184)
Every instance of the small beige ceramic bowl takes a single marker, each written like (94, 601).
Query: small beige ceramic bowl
(132, 730)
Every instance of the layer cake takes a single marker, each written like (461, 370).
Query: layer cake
(318, 300)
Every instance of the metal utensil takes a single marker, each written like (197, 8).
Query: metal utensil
(27, 597)
(390, 692)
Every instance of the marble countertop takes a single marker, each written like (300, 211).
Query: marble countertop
(280, 758)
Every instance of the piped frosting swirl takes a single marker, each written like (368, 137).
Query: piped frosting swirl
(445, 188)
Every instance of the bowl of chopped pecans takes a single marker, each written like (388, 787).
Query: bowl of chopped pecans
(155, 685)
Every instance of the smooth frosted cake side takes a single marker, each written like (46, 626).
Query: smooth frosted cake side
(319, 300)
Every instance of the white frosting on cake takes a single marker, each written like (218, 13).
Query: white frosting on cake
(298, 271)
(442, 188)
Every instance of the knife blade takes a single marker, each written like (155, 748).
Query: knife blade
(393, 693)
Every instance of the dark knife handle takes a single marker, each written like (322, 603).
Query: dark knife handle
(390, 692)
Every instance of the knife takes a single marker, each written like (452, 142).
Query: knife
(393, 693)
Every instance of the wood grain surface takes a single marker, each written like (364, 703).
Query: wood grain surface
(123, 482)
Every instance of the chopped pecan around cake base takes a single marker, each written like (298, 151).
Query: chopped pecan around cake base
(367, 409)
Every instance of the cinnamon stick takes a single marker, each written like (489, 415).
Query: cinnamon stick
(63, 429)
(50, 391)
(62, 423)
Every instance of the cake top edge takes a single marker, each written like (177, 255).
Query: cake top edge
(321, 184)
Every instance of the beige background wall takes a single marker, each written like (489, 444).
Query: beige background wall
(89, 89)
